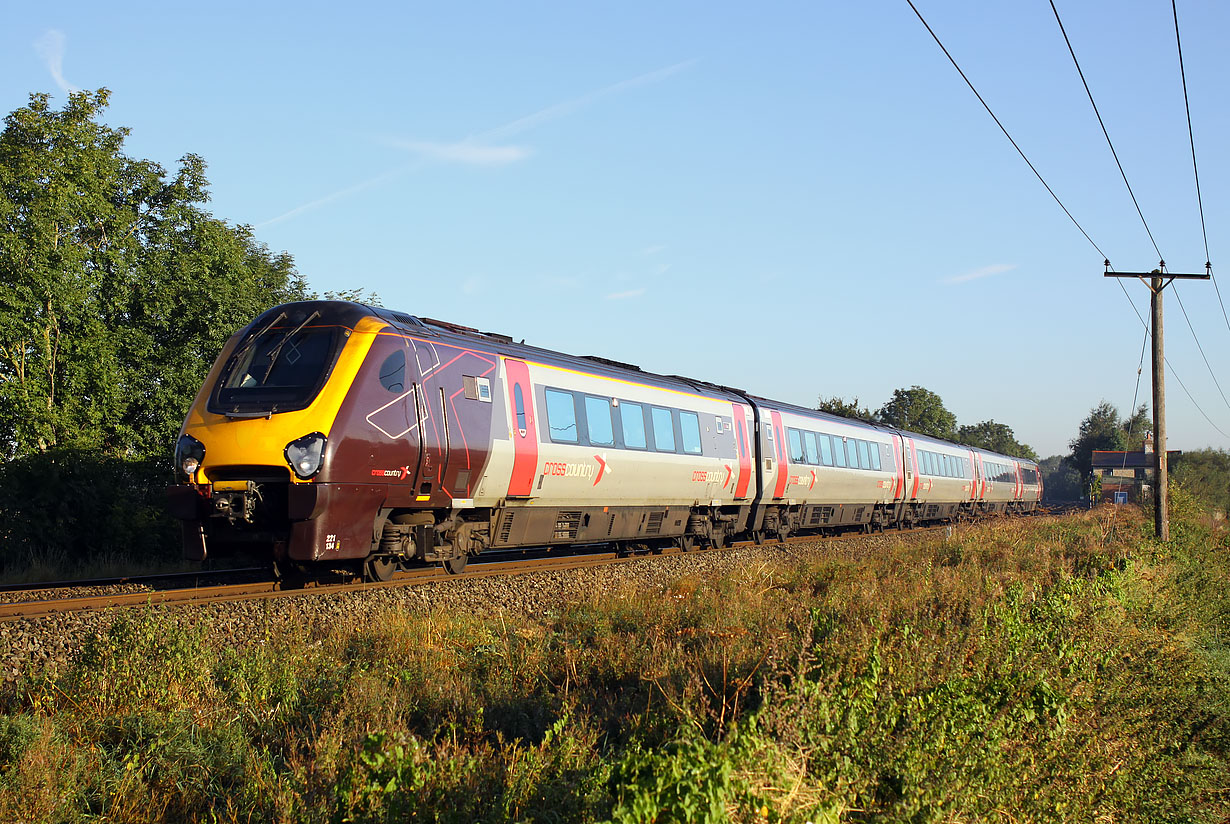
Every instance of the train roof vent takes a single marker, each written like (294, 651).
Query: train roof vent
(497, 336)
(615, 363)
(397, 318)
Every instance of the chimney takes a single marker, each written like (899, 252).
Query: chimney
(1148, 445)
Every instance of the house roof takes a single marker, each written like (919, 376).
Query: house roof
(1128, 460)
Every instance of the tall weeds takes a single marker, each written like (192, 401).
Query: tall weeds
(1052, 669)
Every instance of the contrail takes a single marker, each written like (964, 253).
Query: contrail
(513, 127)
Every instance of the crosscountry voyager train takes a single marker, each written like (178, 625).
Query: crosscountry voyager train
(334, 435)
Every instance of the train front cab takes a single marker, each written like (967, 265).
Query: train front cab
(261, 459)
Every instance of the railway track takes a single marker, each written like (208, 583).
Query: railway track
(38, 605)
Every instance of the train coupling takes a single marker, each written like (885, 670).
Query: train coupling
(235, 500)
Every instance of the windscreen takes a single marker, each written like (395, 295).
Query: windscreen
(280, 366)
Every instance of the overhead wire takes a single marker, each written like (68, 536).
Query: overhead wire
(1201, 348)
(1105, 133)
(1136, 203)
(1140, 369)
(1191, 136)
(1051, 191)
(1037, 174)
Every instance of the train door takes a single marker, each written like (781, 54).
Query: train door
(524, 432)
(898, 469)
(397, 413)
(779, 441)
(911, 468)
(743, 446)
(973, 475)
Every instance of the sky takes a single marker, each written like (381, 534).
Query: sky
(796, 199)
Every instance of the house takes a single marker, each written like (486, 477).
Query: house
(1127, 476)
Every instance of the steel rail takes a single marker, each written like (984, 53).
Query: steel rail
(228, 593)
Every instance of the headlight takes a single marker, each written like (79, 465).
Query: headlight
(189, 453)
(305, 454)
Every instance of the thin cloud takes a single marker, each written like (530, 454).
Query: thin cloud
(50, 47)
(654, 249)
(513, 127)
(984, 272)
(465, 151)
(628, 295)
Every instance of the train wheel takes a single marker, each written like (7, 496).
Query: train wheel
(758, 537)
(687, 543)
(379, 568)
(457, 565)
(782, 535)
(289, 574)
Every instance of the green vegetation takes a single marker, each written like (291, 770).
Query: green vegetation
(120, 290)
(1058, 669)
(997, 437)
(1103, 430)
(921, 410)
(1206, 474)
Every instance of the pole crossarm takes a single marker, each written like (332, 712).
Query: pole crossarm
(1158, 274)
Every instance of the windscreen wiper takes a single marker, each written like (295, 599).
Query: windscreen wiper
(252, 340)
(277, 350)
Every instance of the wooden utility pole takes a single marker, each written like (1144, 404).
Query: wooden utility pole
(1158, 280)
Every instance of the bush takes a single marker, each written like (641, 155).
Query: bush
(69, 509)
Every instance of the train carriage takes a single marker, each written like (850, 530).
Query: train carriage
(602, 452)
(831, 472)
(1008, 485)
(944, 486)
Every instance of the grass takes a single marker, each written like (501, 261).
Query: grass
(1043, 670)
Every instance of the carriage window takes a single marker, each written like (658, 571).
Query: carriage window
(561, 416)
(875, 456)
(826, 450)
(864, 458)
(598, 416)
(796, 445)
(839, 450)
(809, 441)
(633, 417)
(663, 429)
(689, 424)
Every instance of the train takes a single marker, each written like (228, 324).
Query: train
(332, 435)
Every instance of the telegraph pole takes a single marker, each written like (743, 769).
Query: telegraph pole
(1157, 281)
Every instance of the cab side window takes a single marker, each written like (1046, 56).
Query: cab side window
(393, 372)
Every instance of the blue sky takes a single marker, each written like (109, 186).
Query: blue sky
(798, 199)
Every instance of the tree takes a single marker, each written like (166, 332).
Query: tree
(1136, 428)
(996, 437)
(919, 410)
(844, 408)
(1060, 481)
(1206, 474)
(121, 288)
(1101, 431)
